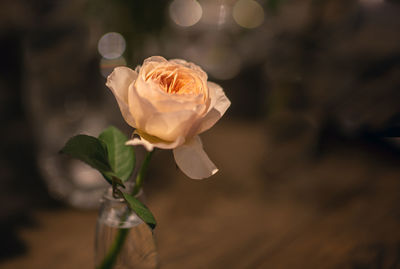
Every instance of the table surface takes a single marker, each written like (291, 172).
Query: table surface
(268, 208)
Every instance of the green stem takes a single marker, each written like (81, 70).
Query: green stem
(142, 173)
(111, 257)
(115, 248)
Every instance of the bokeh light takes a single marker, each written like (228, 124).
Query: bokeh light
(185, 13)
(223, 63)
(248, 13)
(111, 45)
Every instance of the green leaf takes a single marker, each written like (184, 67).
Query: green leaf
(120, 156)
(90, 150)
(117, 182)
(141, 210)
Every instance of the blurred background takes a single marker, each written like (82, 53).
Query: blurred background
(309, 154)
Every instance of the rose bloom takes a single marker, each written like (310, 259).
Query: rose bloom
(169, 103)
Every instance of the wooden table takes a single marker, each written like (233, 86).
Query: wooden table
(267, 208)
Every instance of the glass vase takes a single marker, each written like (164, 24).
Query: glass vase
(123, 240)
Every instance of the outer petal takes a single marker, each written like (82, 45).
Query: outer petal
(139, 108)
(118, 82)
(169, 126)
(219, 104)
(151, 142)
(193, 161)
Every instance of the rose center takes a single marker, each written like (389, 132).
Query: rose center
(175, 80)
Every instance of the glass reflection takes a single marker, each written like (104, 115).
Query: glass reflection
(222, 15)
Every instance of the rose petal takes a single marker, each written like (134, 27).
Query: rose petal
(169, 126)
(151, 63)
(150, 142)
(192, 66)
(157, 59)
(165, 102)
(139, 107)
(193, 161)
(118, 82)
(219, 104)
(156, 119)
(141, 142)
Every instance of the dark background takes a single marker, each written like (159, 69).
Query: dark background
(308, 152)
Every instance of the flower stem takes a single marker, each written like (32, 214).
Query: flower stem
(111, 257)
(142, 173)
(115, 248)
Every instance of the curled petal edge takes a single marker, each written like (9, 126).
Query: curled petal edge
(119, 82)
(151, 142)
(193, 161)
(140, 142)
(220, 103)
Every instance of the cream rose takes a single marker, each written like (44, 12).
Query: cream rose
(169, 103)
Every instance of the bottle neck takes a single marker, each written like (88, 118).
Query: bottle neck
(108, 194)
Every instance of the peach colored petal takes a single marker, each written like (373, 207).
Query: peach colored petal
(193, 161)
(140, 108)
(219, 104)
(169, 126)
(151, 142)
(151, 63)
(165, 102)
(192, 66)
(157, 59)
(166, 118)
(118, 82)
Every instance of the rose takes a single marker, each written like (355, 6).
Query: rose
(169, 103)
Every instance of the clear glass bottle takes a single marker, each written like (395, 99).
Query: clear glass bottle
(117, 222)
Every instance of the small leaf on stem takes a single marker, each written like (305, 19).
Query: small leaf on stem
(90, 150)
(120, 156)
(141, 210)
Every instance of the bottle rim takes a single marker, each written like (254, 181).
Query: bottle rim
(108, 194)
